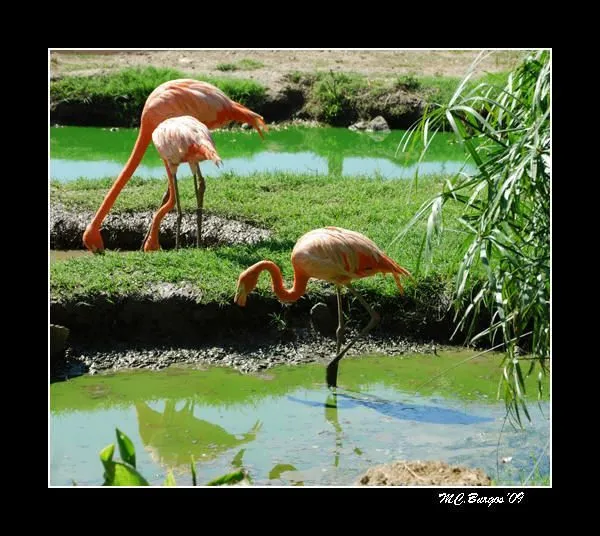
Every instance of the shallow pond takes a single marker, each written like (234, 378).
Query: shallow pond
(286, 428)
(98, 153)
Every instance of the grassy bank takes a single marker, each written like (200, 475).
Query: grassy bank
(335, 98)
(289, 204)
(117, 99)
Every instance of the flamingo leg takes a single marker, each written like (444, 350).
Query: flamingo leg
(332, 368)
(178, 221)
(199, 189)
(152, 242)
(163, 202)
(339, 333)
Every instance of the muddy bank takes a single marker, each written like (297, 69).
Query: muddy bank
(245, 352)
(169, 325)
(126, 231)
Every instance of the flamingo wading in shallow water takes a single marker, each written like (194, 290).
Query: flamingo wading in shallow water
(331, 254)
(178, 140)
(201, 100)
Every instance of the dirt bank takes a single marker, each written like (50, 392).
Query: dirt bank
(126, 231)
(168, 324)
(423, 473)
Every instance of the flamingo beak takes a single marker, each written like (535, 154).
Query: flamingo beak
(240, 295)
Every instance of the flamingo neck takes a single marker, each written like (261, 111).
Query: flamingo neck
(141, 144)
(285, 295)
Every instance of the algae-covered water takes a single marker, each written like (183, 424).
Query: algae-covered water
(286, 428)
(100, 152)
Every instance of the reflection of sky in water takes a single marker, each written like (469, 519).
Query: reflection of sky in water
(303, 162)
(391, 170)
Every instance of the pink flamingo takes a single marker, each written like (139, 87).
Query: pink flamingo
(201, 100)
(331, 254)
(178, 140)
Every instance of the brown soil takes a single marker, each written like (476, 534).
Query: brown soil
(429, 473)
(272, 65)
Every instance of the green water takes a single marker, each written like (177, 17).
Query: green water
(98, 153)
(286, 428)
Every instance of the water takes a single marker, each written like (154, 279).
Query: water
(98, 153)
(285, 427)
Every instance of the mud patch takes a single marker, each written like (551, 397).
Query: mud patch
(251, 354)
(427, 473)
(126, 231)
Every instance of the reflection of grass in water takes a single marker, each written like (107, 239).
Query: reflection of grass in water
(226, 387)
(85, 143)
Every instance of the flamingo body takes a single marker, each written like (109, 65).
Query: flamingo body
(339, 256)
(184, 139)
(178, 140)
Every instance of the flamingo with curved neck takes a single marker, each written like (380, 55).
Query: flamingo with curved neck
(331, 254)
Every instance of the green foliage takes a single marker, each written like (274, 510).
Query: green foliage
(505, 215)
(408, 82)
(333, 94)
(121, 473)
(125, 474)
(232, 478)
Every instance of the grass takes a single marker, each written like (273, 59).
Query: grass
(130, 87)
(242, 65)
(288, 204)
(339, 98)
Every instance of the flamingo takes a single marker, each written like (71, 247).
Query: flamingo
(201, 100)
(331, 254)
(178, 140)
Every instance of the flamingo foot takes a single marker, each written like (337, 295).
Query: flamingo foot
(93, 240)
(151, 245)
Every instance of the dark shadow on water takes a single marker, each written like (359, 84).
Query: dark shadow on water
(398, 410)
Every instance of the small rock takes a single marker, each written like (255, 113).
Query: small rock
(377, 124)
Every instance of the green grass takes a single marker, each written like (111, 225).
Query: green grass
(132, 86)
(288, 204)
(337, 98)
(242, 65)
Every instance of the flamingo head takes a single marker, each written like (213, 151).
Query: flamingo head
(246, 284)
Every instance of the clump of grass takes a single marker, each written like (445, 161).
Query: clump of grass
(332, 97)
(408, 82)
(242, 65)
(227, 67)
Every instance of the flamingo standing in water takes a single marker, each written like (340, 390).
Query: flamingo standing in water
(331, 254)
(178, 140)
(201, 100)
